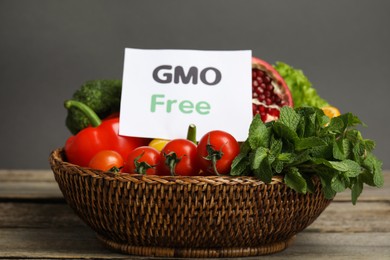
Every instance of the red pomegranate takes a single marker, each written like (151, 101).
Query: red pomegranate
(269, 91)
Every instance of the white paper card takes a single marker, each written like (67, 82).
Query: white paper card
(164, 91)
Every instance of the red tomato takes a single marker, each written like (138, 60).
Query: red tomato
(216, 152)
(178, 157)
(106, 160)
(80, 148)
(143, 160)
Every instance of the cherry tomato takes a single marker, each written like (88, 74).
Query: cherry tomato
(178, 157)
(143, 160)
(107, 160)
(216, 152)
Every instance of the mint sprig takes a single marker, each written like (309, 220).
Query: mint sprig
(304, 143)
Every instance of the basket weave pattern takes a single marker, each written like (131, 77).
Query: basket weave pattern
(197, 216)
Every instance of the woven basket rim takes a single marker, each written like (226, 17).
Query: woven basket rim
(57, 156)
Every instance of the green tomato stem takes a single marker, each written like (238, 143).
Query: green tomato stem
(171, 161)
(191, 133)
(172, 165)
(141, 169)
(213, 155)
(93, 118)
(214, 161)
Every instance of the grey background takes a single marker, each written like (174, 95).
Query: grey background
(49, 48)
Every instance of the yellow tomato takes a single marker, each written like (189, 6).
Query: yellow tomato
(158, 144)
(331, 111)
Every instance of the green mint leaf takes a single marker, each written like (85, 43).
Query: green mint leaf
(308, 111)
(301, 158)
(281, 160)
(358, 151)
(369, 144)
(353, 135)
(322, 120)
(309, 182)
(324, 151)
(326, 177)
(308, 142)
(307, 124)
(284, 132)
(374, 167)
(295, 180)
(349, 120)
(339, 183)
(245, 148)
(259, 134)
(286, 157)
(276, 146)
(241, 163)
(329, 193)
(289, 117)
(351, 168)
(318, 161)
(264, 172)
(367, 177)
(312, 121)
(277, 166)
(260, 154)
(336, 125)
(356, 190)
(341, 149)
(378, 175)
(240, 167)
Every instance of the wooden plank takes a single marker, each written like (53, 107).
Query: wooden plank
(37, 215)
(28, 185)
(42, 230)
(81, 243)
(338, 246)
(26, 176)
(66, 242)
(344, 217)
(30, 191)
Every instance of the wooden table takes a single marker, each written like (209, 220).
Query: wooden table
(36, 223)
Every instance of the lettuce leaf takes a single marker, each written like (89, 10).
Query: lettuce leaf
(303, 93)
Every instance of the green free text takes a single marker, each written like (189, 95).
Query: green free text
(159, 102)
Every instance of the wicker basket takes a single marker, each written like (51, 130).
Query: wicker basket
(214, 216)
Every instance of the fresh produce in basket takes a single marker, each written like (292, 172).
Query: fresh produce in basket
(107, 160)
(300, 151)
(100, 135)
(304, 144)
(158, 143)
(269, 91)
(178, 157)
(102, 96)
(143, 160)
(312, 140)
(216, 152)
(331, 111)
